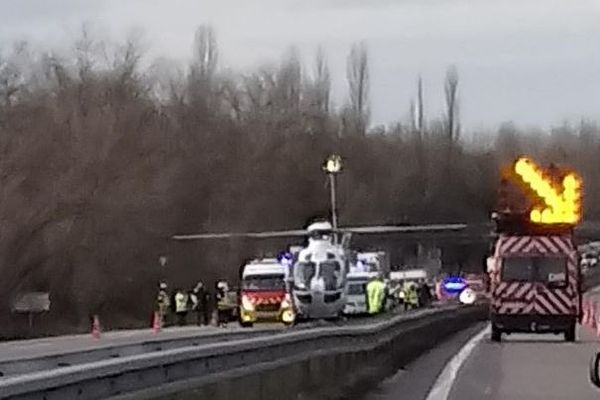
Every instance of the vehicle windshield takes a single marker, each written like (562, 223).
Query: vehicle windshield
(263, 282)
(331, 272)
(535, 269)
(303, 273)
(356, 288)
(364, 266)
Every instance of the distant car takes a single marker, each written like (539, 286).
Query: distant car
(589, 260)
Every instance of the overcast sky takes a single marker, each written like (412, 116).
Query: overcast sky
(535, 62)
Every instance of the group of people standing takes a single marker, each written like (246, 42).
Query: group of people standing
(174, 307)
(410, 295)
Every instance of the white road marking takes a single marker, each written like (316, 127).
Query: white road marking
(443, 384)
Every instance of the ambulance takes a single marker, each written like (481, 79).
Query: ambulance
(263, 294)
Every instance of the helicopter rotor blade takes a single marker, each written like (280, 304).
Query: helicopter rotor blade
(404, 229)
(230, 235)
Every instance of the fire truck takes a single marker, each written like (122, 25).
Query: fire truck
(534, 271)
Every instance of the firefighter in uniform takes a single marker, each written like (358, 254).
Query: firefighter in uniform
(375, 295)
(424, 294)
(222, 300)
(411, 297)
(162, 302)
(200, 304)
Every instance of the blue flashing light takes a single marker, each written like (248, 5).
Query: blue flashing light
(454, 285)
(285, 258)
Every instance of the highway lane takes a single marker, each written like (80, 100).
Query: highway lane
(522, 366)
(528, 367)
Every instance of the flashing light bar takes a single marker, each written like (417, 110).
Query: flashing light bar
(562, 206)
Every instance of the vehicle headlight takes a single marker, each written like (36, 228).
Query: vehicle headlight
(286, 302)
(247, 304)
(288, 316)
(467, 296)
(301, 285)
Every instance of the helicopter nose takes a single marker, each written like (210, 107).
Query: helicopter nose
(317, 285)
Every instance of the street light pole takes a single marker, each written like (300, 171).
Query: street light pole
(332, 182)
(332, 167)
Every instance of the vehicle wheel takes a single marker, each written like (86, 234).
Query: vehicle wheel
(246, 324)
(496, 334)
(570, 333)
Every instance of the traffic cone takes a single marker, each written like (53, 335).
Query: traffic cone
(593, 323)
(585, 319)
(156, 323)
(96, 327)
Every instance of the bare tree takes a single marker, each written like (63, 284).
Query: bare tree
(288, 86)
(322, 82)
(357, 73)
(203, 69)
(451, 96)
(417, 111)
(420, 112)
(13, 79)
(206, 52)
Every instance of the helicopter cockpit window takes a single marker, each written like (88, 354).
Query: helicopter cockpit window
(303, 273)
(331, 272)
(320, 234)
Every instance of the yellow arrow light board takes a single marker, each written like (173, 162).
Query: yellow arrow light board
(562, 205)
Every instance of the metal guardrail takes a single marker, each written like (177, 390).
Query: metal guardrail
(106, 378)
(25, 365)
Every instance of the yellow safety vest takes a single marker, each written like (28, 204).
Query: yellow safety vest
(181, 300)
(162, 301)
(375, 293)
(411, 296)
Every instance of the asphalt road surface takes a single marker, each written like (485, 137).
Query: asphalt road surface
(523, 366)
(528, 367)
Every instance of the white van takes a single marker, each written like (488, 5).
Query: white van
(356, 295)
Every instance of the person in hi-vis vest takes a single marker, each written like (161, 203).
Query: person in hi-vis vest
(375, 295)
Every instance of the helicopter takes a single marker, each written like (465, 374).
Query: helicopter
(317, 276)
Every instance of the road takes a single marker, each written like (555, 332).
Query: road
(528, 367)
(522, 366)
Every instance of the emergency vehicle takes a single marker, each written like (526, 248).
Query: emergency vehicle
(263, 293)
(367, 265)
(356, 294)
(534, 271)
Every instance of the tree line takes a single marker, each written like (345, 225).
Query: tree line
(105, 155)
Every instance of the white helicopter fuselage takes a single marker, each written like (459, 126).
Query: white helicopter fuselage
(320, 280)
